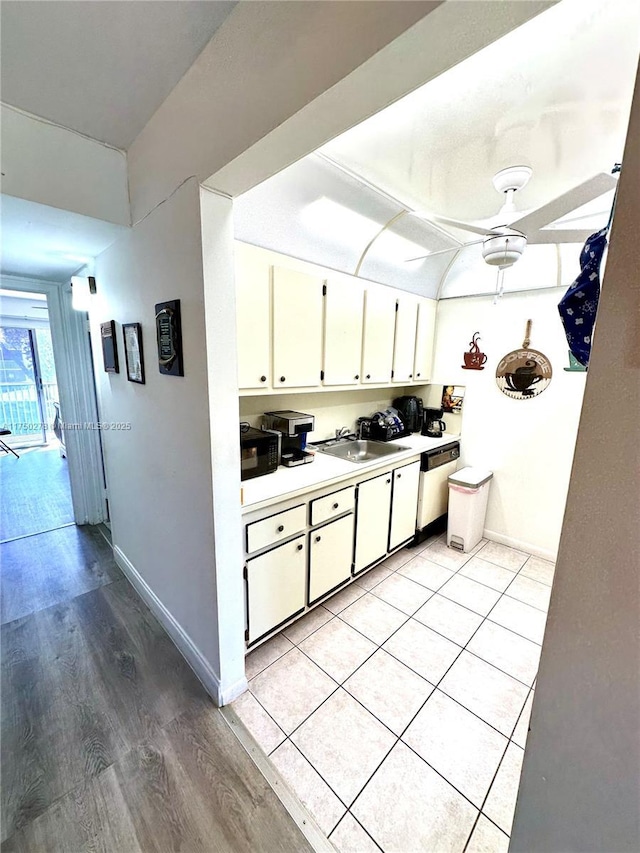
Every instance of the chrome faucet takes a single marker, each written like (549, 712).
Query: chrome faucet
(343, 432)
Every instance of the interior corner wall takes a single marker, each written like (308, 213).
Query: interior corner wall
(158, 449)
(528, 444)
(221, 339)
(580, 786)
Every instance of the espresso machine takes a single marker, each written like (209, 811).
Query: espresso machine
(293, 428)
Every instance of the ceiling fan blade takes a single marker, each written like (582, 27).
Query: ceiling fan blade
(465, 226)
(444, 251)
(559, 235)
(565, 203)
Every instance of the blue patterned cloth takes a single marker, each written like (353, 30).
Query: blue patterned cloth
(579, 305)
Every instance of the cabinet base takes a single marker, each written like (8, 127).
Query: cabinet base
(435, 528)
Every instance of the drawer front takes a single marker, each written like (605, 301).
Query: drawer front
(277, 527)
(322, 509)
(276, 586)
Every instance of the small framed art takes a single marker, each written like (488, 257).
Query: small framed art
(109, 346)
(169, 335)
(132, 335)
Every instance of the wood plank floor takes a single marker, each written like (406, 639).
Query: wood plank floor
(36, 492)
(109, 742)
(52, 568)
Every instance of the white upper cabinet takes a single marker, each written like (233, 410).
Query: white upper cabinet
(425, 334)
(297, 328)
(253, 312)
(343, 318)
(379, 325)
(292, 335)
(405, 339)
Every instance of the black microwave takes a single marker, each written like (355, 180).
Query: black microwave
(258, 452)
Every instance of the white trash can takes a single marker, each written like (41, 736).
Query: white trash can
(468, 497)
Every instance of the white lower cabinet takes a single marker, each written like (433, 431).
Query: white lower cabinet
(329, 536)
(330, 555)
(276, 585)
(404, 504)
(372, 525)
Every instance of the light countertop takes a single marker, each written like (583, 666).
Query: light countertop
(325, 470)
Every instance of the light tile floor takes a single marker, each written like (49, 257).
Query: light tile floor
(398, 711)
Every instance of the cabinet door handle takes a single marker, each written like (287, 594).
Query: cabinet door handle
(300, 547)
(411, 376)
(368, 376)
(335, 506)
(357, 376)
(282, 378)
(263, 379)
(280, 528)
(418, 374)
(318, 538)
(399, 475)
(388, 481)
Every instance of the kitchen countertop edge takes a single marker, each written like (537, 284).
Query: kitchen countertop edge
(327, 470)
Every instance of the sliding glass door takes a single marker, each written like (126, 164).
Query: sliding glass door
(28, 388)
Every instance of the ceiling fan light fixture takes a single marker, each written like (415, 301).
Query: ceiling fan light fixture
(503, 250)
(512, 178)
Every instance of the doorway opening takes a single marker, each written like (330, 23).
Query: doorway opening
(35, 483)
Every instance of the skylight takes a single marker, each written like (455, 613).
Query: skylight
(343, 225)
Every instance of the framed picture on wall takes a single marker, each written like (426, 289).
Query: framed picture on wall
(132, 335)
(169, 335)
(452, 398)
(109, 346)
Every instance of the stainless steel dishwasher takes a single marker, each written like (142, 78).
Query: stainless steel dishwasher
(433, 494)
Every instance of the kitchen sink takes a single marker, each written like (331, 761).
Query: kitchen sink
(359, 450)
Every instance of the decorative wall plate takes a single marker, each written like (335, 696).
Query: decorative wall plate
(524, 373)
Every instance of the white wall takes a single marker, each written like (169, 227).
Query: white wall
(159, 472)
(332, 409)
(51, 165)
(528, 444)
(580, 786)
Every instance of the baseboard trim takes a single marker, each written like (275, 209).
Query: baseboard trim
(228, 694)
(182, 641)
(520, 545)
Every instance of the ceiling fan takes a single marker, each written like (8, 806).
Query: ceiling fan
(504, 242)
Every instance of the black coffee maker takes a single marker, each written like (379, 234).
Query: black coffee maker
(432, 425)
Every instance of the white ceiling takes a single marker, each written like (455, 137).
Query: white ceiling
(44, 242)
(554, 94)
(101, 68)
